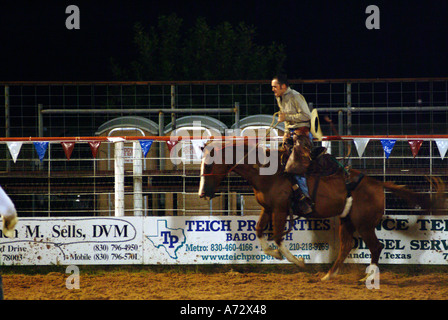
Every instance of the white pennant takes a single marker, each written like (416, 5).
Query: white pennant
(115, 139)
(361, 144)
(197, 147)
(442, 144)
(14, 149)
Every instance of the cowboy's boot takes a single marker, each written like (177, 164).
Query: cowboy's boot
(301, 204)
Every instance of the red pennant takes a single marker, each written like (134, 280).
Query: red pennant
(171, 144)
(94, 145)
(68, 148)
(415, 146)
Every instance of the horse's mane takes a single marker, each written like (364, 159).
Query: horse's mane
(244, 141)
(247, 143)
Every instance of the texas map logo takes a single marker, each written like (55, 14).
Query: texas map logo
(168, 239)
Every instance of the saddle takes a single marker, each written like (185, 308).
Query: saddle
(322, 163)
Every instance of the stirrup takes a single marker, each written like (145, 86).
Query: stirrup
(302, 205)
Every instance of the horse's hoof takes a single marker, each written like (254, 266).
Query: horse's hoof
(326, 277)
(277, 255)
(274, 253)
(329, 276)
(300, 262)
(363, 279)
(8, 226)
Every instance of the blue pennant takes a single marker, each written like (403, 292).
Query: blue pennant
(388, 145)
(146, 145)
(41, 148)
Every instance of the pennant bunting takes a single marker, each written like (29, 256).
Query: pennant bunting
(415, 146)
(68, 148)
(115, 139)
(41, 148)
(361, 144)
(146, 145)
(94, 145)
(442, 145)
(388, 145)
(171, 144)
(14, 149)
(197, 147)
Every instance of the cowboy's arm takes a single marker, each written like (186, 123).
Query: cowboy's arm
(302, 110)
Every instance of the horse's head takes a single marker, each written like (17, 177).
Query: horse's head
(300, 158)
(213, 170)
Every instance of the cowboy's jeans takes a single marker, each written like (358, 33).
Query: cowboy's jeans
(301, 181)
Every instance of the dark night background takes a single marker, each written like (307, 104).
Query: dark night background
(323, 39)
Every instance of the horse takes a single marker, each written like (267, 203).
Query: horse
(358, 196)
(273, 192)
(9, 214)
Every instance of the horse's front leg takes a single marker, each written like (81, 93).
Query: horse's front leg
(8, 213)
(263, 221)
(279, 222)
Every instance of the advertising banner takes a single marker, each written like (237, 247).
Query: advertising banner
(231, 240)
(407, 240)
(67, 241)
(212, 240)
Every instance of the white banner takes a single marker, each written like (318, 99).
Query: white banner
(407, 240)
(211, 240)
(231, 240)
(66, 241)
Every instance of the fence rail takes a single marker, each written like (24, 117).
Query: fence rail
(84, 181)
(412, 108)
(364, 106)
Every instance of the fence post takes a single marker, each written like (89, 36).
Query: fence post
(138, 179)
(7, 124)
(173, 106)
(119, 178)
(349, 108)
(161, 197)
(237, 115)
(349, 113)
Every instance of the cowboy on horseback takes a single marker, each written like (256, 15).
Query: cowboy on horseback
(294, 111)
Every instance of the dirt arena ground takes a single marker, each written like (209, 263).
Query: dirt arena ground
(226, 283)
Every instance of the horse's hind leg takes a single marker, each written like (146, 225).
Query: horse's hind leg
(264, 219)
(370, 239)
(346, 230)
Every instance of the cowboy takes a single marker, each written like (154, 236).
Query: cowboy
(294, 111)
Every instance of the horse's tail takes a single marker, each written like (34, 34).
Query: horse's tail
(433, 204)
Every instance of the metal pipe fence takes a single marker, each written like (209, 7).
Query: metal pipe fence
(53, 182)
(365, 106)
(85, 185)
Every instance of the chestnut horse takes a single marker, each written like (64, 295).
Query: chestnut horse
(273, 192)
(363, 207)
